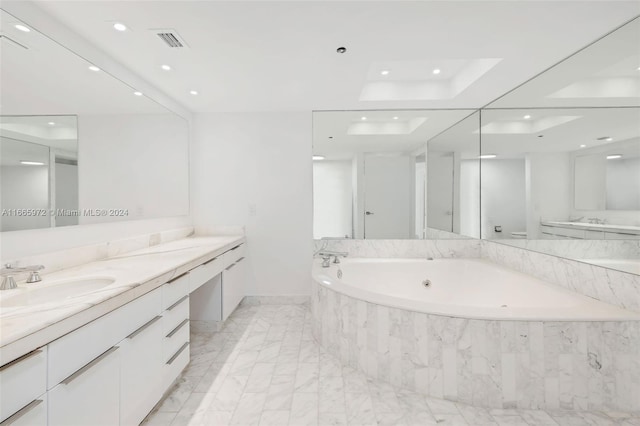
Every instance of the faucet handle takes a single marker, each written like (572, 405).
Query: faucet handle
(34, 277)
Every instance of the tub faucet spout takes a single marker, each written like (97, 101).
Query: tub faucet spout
(327, 254)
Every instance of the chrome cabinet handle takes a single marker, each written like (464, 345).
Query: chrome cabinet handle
(143, 328)
(209, 261)
(97, 360)
(22, 358)
(170, 308)
(24, 410)
(175, 330)
(239, 260)
(368, 213)
(228, 268)
(177, 354)
(177, 278)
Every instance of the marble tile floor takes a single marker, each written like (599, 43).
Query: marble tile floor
(264, 368)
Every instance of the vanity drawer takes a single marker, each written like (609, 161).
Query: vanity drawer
(563, 232)
(175, 339)
(235, 254)
(593, 235)
(22, 381)
(620, 236)
(206, 271)
(33, 414)
(175, 314)
(175, 290)
(175, 364)
(70, 352)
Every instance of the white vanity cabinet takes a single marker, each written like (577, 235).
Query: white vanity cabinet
(90, 396)
(233, 279)
(33, 414)
(22, 382)
(141, 369)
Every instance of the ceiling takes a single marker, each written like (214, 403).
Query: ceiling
(281, 56)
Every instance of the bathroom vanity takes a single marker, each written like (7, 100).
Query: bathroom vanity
(108, 355)
(588, 231)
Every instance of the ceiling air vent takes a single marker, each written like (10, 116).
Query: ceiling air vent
(170, 37)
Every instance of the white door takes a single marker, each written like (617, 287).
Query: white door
(440, 191)
(388, 192)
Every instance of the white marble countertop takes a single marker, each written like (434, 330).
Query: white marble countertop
(25, 328)
(595, 226)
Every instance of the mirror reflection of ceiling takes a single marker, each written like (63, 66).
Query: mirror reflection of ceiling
(508, 134)
(14, 152)
(33, 65)
(56, 131)
(606, 73)
(339, 135)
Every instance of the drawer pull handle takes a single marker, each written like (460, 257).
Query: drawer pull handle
(239, 260)
(177, 278)
(78, 373)
(24, 410)
(229, 267)
(178, 302)
(177, 354)
(209, 261)
(236, 247)
(143, 328)
(175, 330)
(22, 358)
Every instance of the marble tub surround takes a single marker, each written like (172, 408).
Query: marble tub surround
(403, 248)
(27, 327)
(265, 368)
(608, 285)
(569, 365)
(65, 259)
(581, 249)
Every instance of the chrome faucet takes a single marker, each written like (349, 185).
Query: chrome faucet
(595, 220)
(7, 273)
(327, 254)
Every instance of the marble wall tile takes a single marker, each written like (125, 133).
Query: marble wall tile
(568, 365)
(581, 249)
(608, 285)
(403, 248)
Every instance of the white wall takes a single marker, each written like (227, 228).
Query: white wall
(21, 243)
(469, 198)
(549, 181)
(503, 197)
(332, 199)
(254, 169)
(24, 187)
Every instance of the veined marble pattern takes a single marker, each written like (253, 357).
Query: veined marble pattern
(437, 234)
(497, 364)
(611, 286)
(581, 249)
(264, 368)
(65, 259)
(403, 248)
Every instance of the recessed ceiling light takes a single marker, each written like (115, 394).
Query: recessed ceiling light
(395, 118)
(341, 49)
(193, 92)
(526, 117)
(22, 28)
(608, 139)
(614, 156)
(485, 156)
(330, 137)
(137, 93)
(31, 163)
(604, 138)
(582, 146)
(638, 68)
(363, 118)
(165, 67)
(94, 68)
(51, 123)
(384, 72)
(436, 71)
(118, 26)
(318, 157)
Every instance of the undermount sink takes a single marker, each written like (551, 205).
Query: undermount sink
(56, 291)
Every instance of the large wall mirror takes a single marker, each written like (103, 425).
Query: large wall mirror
(560, 167)
(369, 171)
(79, 146)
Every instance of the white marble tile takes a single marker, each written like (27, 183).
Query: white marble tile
(274, 418)
(249, 409)
(304, 409)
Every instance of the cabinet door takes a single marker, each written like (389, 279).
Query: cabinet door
(141, 372)
(90, 396)
(233, 284)
(33, 414)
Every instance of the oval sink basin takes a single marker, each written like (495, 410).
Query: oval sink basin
(57, 291)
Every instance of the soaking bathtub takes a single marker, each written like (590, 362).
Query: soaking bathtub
(472, 331)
